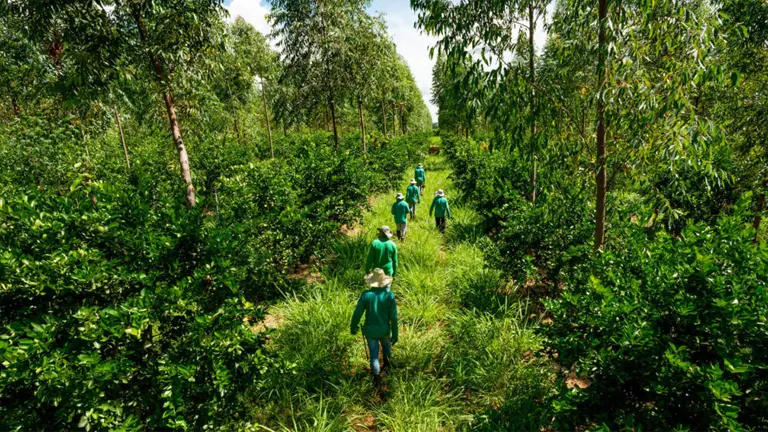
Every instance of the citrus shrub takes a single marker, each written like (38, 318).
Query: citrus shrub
(670, 331)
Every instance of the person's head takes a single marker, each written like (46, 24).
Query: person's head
(440, 193)
(399, 197)
(385, 232)
(413, 181)
(378, 279)
(419, 166)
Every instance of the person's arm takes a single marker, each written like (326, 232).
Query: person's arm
(357, 314)
(369, 261)
(393, 320)
(447, 210)
(432, 207)
(393, 209)
(394, 263)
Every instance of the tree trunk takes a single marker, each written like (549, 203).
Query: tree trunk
(285, 128)
(384, 115)
(266, 115)
(362, 124)
(600, 177)
(531, 28)
(394, 119)
(186, 174)
(758, 213)
(122, 138)
(402, 120)
(333, 120)
(237, 129)
(325, 119)
(14, 103)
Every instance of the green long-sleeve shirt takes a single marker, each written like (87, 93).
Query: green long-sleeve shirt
(382, 254)
(380, 314)
(440, 207)
(420, 175)
(400, 210)
(412, 194)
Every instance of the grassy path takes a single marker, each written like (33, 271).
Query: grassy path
(436, 384)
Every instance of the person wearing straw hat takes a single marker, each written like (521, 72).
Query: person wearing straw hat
(413, 197)
(441, 209)
(400, 211)
(380, 325)
(383, 254)
(421, 177)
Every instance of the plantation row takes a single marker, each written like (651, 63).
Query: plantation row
(123, 309)
(662, 330)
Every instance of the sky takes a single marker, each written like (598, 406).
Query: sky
(411, 43)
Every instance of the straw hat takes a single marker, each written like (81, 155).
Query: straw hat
(413, 181)
(385, 231)
(440, 193)
(378, 279)
(399, 197)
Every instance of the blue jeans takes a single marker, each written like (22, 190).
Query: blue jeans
(373, 347)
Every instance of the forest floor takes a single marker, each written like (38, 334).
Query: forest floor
(462, 361)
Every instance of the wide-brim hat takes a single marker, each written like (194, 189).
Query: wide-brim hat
(440, 193)
(399, 197)
(385, 231)
(419, 166)
(378, 279)
(413, 181)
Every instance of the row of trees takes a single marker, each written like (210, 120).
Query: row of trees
(643, 84)
(103, 63)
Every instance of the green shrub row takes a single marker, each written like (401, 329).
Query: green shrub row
(122, 309)
(665, 328)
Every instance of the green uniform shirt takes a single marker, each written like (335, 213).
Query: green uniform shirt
(382, 254)
(440, 207)
(420, 175)
(412, 195)
(400, 210)
(380, 314)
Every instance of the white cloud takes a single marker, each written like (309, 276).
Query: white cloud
(252, 12)
(414, 47)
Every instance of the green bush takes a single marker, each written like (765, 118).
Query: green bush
(670, 330)
(122, 309)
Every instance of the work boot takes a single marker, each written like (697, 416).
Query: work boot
(377, 382)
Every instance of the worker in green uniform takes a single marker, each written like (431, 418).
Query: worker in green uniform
(441, 210)
(400, 211)
(380, 326)
(421, 177)
(383, 254)
(413, 197)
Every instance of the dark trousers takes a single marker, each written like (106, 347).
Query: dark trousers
(440, 223)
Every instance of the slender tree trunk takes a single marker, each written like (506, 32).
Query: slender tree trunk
(531, 28)
(758, 214)
(14, 103)
(384, 115)
(170, 107)
(600, 177)
(266, 115)
(402, 120)
(362, 124)
(333, 120)
(325, 119)
(394, 119)
(285, 128)
(122, 138)
(237, 129)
